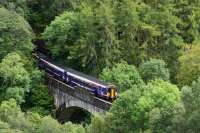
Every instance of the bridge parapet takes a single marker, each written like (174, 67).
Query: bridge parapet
(79, 97)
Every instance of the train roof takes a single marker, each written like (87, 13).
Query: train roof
(54, 66)
(86, 76)
(72, 70)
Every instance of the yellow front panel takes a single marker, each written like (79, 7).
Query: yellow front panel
(112, 93)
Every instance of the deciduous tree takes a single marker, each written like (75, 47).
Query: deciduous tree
(15, 33)
(84, 39)
(191, 100)
(123, 75)
(189, 66)
(19, 6)
(153, 69)
(150, 110)
(15, 80)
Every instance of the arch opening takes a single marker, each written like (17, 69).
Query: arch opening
(73, 114)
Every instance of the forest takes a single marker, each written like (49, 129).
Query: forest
(150, 49)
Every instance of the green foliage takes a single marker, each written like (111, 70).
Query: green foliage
(188, 12)
(15, 80)
(4, 128)
(127, 26)
(49, 125)
(13, 71)
(39, 100)
(189, 66)
(15, 33)
(122, 110)
(15, 92)
(154, 69)
(86, 38)
(13, 120)
(153, 109)
(18, 6)
(164, 39)
(123, 75)
(72, 128)
(18, 72)
(98, 124)
(11, 113)
(42, 12)
(162, 102)
(148, 30)
(191, 100)
(38, 96)
(94, 35)
(4, 125)
(18, 78)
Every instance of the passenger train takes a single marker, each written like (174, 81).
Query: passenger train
(77, 79)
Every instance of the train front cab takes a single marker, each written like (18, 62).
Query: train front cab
(112, 92)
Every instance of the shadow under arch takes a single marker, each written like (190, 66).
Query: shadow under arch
(73, 114)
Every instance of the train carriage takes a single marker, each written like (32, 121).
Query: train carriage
(74, 78)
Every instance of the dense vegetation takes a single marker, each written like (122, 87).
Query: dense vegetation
(150, 49)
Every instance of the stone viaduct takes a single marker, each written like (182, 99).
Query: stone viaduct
(65, 96)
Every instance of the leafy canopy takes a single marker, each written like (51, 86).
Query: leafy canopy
(191, 100)
(146, 108)
(123, 75)
(15, 79)
(154, 68)
(42, 12)
(93, 35)
(189, 66)
(84, 39)
(19, 6)
(13, 119)
(15, 33)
